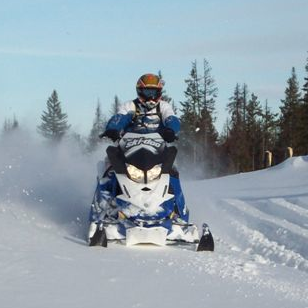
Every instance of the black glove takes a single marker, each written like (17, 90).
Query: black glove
(168, 134)
(113, 134)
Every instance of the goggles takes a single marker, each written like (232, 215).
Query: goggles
(148, 94)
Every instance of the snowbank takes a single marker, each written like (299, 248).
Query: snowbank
(259, 221)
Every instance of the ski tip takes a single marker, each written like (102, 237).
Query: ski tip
(206, 243)
(99, 238)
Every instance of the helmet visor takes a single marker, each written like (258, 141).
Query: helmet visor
(150, 93)
(149, 80)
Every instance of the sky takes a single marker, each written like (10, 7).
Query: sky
(93, 50)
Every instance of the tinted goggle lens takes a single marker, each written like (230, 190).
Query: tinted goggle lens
(150, 93)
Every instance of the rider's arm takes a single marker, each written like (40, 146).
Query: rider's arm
(123, 118)
(170, 120)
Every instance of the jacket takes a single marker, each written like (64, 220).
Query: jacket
(134, 117)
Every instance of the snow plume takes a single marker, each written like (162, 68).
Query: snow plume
(55, 182)
(190, 169)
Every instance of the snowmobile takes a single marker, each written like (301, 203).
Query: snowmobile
(142, 209)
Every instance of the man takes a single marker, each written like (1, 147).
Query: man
(148, 113)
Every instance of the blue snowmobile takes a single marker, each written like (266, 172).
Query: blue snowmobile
(140, 205)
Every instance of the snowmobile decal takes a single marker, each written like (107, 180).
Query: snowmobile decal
(140, 141)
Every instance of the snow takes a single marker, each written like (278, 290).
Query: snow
(259, 221)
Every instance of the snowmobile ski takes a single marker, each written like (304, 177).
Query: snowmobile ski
(99, 238)
(206, 242)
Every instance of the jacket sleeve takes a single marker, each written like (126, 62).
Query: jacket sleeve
(170, 120)
(123, 118)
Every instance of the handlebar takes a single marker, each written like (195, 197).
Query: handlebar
(103, 135)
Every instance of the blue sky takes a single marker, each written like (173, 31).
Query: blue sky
(90, 50)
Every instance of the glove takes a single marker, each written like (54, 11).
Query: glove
(168, 134)
(113, 134)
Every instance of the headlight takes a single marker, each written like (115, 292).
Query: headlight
(135, 174)
(154, 173)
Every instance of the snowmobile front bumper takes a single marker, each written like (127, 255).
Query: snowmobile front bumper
(157, 235)
(99, 234)
(141, 235)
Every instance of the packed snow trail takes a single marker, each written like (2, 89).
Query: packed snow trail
(258, 219)
(47, 267)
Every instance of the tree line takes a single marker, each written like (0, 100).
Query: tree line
(250, 132)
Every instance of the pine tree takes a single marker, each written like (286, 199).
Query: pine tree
(209, 91)
(6, 126)
(165, 97)
(15, 124)
(10, 125)
(303, 118)
(305, 86)
(288, 135)
(245, 93)
(187, 142)
(191, 110)
(54, 124)
(235, 107)
(193, 93)
(97, 128)
(269, 130)
(199, 136)
(208, 134)
(115, 105)
(253, 116)
(236, 144)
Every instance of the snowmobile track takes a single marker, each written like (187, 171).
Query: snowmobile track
(262, 233)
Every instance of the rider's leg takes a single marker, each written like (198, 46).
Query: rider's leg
(104, 193)
(176, 189)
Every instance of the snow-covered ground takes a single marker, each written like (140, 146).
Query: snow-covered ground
(259, 221)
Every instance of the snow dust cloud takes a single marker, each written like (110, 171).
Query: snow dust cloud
(54, 183)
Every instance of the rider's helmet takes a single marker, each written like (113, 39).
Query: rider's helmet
(149, 89)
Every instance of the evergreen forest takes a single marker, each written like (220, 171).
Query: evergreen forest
(253, 136)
